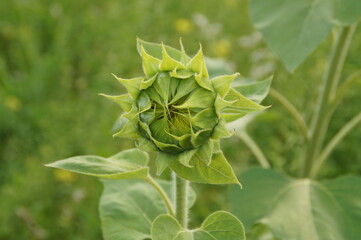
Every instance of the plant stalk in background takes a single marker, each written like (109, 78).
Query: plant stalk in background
(328, 90)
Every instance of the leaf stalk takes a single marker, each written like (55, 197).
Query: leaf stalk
(329, 86)
(164, 196)
(255, 149)
(293, 111)
(334, 141)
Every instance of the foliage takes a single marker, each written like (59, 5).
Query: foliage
(124, 165)
(127, 208)
(177, 111)
(220, 225)
(56, 56)
(293, 29)
(315, 210)
(319, 210)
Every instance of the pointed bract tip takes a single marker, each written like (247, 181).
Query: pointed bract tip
(232, 132)
(102, 94)
(114, 75)
(200, 51)
(164, 50)
(181, 44)
(266, 107)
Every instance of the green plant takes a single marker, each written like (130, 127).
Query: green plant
(178, 111)
(304, 208)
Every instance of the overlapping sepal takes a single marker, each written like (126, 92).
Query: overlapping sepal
(179, 112)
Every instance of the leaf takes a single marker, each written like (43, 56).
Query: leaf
(256, 91)
(240, 106)
(185, 157)
(144, 102)
(347, 11)
(204, 153)
(155, 50)
(199, 98)
(165, 147)
(132, 85)
(150, 64)
(217, 172)
(221, 130)
(168, 63)
(127, 208)
(222, 83)
(292, 28)
(197, 64)
(161, 162)
(146, 83)
(162, 85)
(207, 118)
(219, 225)
(127, 128)
(185, 87)
(182, 74)
(299, 209)
(124, 101)
(124, 165)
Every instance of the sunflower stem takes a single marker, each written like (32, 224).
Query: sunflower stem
(329, 86)
(181, 200)
(334, 141)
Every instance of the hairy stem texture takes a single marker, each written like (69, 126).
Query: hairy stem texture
(181, 200)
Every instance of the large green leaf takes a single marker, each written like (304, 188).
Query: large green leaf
(292, 28)
(347, 11)
(299, 209)
(128, 208)
(124, 165)
(220, 225)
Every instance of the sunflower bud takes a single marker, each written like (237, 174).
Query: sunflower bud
(176, 109)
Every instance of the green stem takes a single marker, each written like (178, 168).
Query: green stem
(293, 111)
(347, 37)
(329, 86)
(181, 200)
(164, 196)
(256, 150)
(334, 141)
(343, 89)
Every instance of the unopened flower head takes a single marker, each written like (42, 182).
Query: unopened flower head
(176, 108)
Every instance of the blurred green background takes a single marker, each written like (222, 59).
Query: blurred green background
(56, 56)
